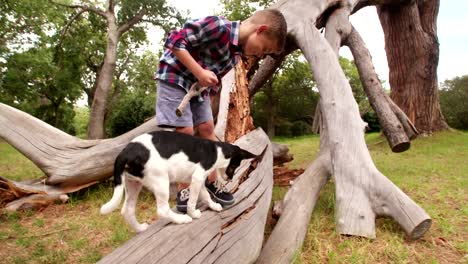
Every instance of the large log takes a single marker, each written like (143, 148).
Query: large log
(64, 159)
(234, 235)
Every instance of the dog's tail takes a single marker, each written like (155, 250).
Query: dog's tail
(119, 187)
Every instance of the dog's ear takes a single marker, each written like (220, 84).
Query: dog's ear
(247, 155)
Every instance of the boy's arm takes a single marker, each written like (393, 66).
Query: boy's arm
(194, 35)
(205, 77)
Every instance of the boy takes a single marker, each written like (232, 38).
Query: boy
(203, 51)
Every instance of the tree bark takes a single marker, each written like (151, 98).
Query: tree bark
(64, 159)
(104, 82)
(412, 49)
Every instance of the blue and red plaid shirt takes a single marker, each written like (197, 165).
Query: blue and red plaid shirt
(212, 41)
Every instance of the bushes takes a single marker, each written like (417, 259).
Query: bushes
(454, 102)
(130, 112)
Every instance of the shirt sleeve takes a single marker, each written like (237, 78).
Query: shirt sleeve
(198, 32)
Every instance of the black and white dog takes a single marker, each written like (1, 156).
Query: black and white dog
(155, 159)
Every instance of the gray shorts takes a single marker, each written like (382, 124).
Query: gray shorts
(168, 99)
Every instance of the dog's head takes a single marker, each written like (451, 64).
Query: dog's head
(237, 155)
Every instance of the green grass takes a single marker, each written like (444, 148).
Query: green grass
(433, 173)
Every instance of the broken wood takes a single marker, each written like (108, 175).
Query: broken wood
(234, 118)
(195, 90)
(392, 126)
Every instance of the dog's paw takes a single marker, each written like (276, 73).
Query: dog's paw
(182, 219)
(215, 207)
(194, 213)
(142, 227)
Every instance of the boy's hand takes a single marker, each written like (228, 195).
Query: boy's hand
(207, 78)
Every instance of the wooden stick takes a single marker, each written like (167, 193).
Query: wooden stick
(195, 90)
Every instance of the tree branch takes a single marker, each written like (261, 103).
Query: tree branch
(110, 8)
(84, 8)
(130, 23)
(67, 26)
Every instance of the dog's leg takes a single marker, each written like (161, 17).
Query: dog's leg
(198, 178)
(160, 187)
(132, 189)
(205, 198)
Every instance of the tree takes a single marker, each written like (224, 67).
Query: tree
(138, 97)
(44, 83)
(362, 192)
(412, 50)
(453, 100)
(119, 17)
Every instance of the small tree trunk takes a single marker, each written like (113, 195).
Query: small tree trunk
(104, 83)
(412, 51)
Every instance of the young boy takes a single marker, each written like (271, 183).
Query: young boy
(203, 51)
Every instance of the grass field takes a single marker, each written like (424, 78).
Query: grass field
(434, 173)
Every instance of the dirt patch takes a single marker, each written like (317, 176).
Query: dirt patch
(283, 176)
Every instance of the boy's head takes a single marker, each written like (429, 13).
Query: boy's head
(263, 33)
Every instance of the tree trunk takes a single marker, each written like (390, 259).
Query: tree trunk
(412, 51)
(104, 83)
(366, 187)
(362, 191)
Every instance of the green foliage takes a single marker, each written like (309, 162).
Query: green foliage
(137, 99)
(454, 101)
(44, 84)
(242, 9)
(50, 54)
(81, 121)
(288, 98)
(131, 111)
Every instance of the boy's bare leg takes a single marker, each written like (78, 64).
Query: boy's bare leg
(206, 130)
(188, 131)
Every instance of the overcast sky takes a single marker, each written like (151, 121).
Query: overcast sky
(452, 28)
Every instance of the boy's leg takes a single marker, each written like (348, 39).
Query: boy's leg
(169, 97)
(203, 121)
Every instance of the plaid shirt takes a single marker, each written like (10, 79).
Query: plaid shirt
(213, 43)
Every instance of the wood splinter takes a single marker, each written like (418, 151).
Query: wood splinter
(195, 90)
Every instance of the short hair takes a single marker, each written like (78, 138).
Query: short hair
(277, 27)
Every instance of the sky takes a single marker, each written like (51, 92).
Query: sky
(452, 29)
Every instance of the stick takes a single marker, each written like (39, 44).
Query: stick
(195, 90)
